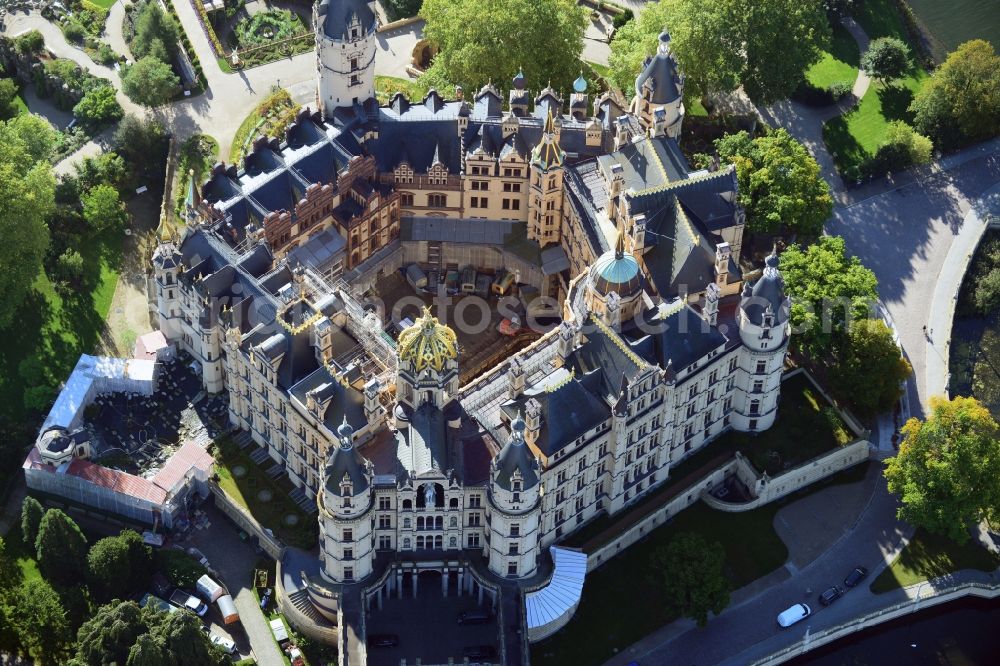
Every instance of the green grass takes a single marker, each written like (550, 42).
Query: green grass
(101, 4)
(56, 330)
(840, 63)
(387, 86)
(856, 136)
(928, 556)
(23, 554)
(224, 65)
(18, 105)
(694, 107)
(603, 623)
(269, 514)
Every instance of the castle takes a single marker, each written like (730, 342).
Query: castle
(661, 348)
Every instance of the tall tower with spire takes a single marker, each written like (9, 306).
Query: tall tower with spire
(345, 53)
(659, 92)
(546, 190)
(764, 331)
(514, 493)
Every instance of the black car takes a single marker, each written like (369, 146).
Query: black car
(479, 652)
(830, 595)
(475, 617)
(383, 640)
(855, 576)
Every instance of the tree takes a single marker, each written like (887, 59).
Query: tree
(779, 181)
(32, 134)
(917, 147)
(30, 43)
(106, 168)
(869, 367)
(886, 59)
(10, 572)
(40, 621)
(148, 651)
(689, 572)
(947, 468)
(31, 518)
(61, 548)
(8, 91)
(399, 9)
(98, 106)
(987, 294)
(156, 34)
(481, 42)
(140, 141)
(118, 566)
(109, 635)
(763, 45)
(961, 100)
(150, 82)
(27, 190)
(828, 290)
(182, 638)
(103, 209)
(986, 372)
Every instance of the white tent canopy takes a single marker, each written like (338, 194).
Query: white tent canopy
(550, 607)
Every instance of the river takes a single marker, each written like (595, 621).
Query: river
(961, 633)
(952, 22)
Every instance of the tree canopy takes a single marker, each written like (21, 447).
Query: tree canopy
(98, 107)
(961, 100)
(947, 468)
(779, 181)
(27, 197)
(150, 82)
(763, 45)
(481, 42)
(828, 290)
(38, 616)
(141, 142)
(61, 548)
(103, 209)
(886, 59)
(156, 34)
(31, 517)
(689, 572)
(869, 367)
(118, 566)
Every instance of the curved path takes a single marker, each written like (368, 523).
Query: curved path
(113, 33)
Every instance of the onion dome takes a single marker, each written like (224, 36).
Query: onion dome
(580, 85)
(428, 343)
(616, 271)
(519, 81)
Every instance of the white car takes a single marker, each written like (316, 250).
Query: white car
(226, 644)
(794, 614)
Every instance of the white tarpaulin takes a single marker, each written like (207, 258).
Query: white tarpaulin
(94, 375)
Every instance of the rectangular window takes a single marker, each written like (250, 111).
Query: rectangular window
(512, 549)
(512, 569)
(405, 199)
(474, 520)
(348, 553)
(384, 542)
(475, 501)
(473, 540)
(515, 529)
(384, 503)
(384, 522)
(349, 573)
(437, 200)
(579, 484)
(761, 367)
(758, 387)
(348, 535)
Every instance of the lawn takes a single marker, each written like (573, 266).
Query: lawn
(387, 86)
(854, 137)
(603, 623)
(928, 556)
(55, 329)
(21, 553)
(838, 64)
(270, 514)
(102, 4)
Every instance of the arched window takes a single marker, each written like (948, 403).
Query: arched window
(406, 543)
(407, 504)
(452, 542)
(453, 503)
(454, 521)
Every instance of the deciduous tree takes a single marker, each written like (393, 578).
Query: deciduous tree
(947, 468)
(689, 573)
(118, 566)
(150, 82)
(98, 107)
(61, 548)
(779, 181)
(40, 621)
(869, 367)
(763, 45)
(103, 209)
(828, 289)
(886, 59)
(480, 42)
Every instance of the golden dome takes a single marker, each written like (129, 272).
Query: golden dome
(428, 343)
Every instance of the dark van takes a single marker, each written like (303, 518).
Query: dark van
(475, 617)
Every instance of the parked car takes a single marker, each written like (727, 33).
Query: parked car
(855, 576)
(198, 555)
(383, 640)
(831, 594)
(790, 616)
(479, 652)
(475, 617)
(182, 599)
(227, 644)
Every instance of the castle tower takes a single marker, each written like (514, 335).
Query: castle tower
(345, 526)
(659, 93)
(166, 268)
(514, 522)
(764, 331)
(345, 53)
(614, 286)
(428, 366)
(546, 191)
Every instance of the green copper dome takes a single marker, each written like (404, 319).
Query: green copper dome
(616, 271)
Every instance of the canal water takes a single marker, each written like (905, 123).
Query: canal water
(962, 633)
(952, 22)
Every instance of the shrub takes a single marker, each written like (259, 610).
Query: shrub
(98, 107)
(620, 20)
(180, 568)
(105, 55)
(30, 43)
(841, 89)
(73, 31)
(810, 95)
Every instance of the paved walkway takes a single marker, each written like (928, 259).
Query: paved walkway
(113, 33)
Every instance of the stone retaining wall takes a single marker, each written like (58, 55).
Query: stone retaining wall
(235, 512)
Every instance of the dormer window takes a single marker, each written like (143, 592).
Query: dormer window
(354, 33)
(516, 486)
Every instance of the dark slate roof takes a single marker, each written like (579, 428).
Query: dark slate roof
(516, 456)
(606, 359)
(682, 337)
(347, 462)
(339, 14)
(646, 163)
(660, 74)
(422, 446)
(342, 400)
(767, 292)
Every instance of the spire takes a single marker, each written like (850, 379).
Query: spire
(620, 246)
(547, 153)
(550, 124)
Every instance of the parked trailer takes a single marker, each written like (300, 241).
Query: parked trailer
(208, 589)
(228, 609)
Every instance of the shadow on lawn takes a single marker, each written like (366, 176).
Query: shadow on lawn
(896, 100)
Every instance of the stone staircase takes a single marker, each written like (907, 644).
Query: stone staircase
(260, 456)
(243, 440)
(303, 501)
(300, 599)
